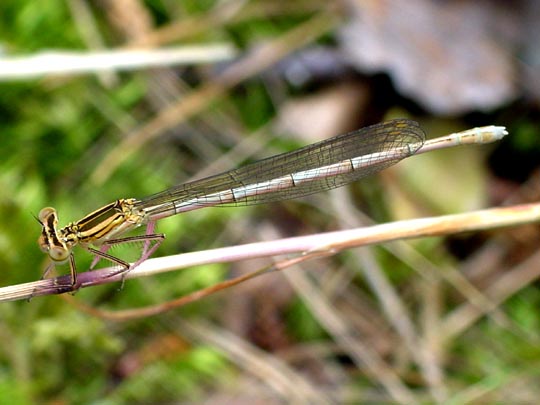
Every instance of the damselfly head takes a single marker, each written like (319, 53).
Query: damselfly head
(48, 241)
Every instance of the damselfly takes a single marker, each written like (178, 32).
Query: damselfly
(321, 166)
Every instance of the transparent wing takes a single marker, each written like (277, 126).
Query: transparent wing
(393, 141)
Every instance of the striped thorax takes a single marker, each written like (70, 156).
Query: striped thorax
(97, 227)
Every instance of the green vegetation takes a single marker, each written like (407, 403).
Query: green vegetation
(56, 133)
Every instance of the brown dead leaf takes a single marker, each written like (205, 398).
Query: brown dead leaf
(451, 57)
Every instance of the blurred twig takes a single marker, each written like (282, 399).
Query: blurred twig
(70, 62)
(278, 374)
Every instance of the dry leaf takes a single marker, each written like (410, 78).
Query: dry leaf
(451, 57)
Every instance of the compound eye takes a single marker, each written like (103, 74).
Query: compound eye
(43, 245)
(45, 213)
(58, 254)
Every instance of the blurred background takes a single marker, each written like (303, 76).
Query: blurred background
(434, 320)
